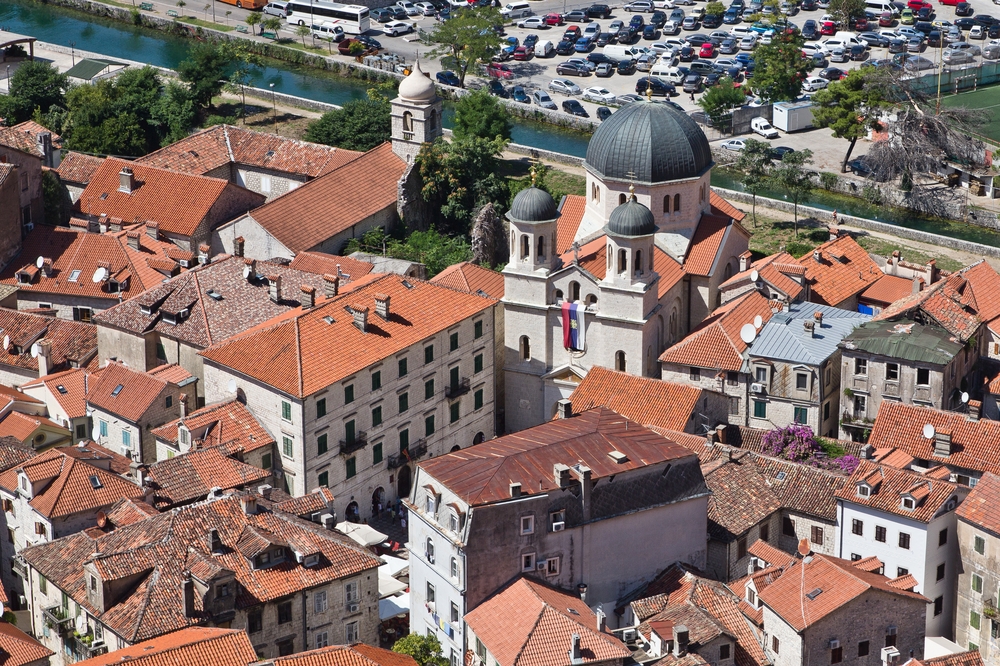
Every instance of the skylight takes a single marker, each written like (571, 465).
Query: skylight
(74, 275)
(62, 389)
(95, 483)
(781, 476)
(815, 593)
(118, 389)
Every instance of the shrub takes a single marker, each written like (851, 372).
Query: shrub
(828, 180)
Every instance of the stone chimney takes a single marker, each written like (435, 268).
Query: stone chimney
(809, 326)
(975, 407)
(360, 314)
(575, 654)
(916, 286)
(560, 474)
(47, 267)
(204, 254)
(274, 287)
(582, 591)
(564, 408)
(153, 229)
(932, 271)
(308, 297)
(382, 305)
(331, 285)
(252, 265)
(745, 261)
(188, 594)
(681, 637)
(126, 180)
(817, 256)
(264, 491)
(942, 442)
(834, 232)
(249, 504)
(44, 357)
(867, 452)
(601, 618)
(133, 239)
(182, 404)
(115, 224)
(515, 490)
(238, 244)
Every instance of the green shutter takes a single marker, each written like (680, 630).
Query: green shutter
(321, 444)
(324, 479)
(352, 467)
(455, 411)
(454, 376)
(453, 341)
(402, 367)
(376, 416)
(349, 431)
(404, 440)
(349, 394)
(479, 399)
(477, 363)
(479, 328)
(404, 402)
(377, 453)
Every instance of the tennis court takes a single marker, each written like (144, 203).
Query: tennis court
(984, 98)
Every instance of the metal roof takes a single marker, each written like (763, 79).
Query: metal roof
(533, 204)
(88, 68)
(784, 337)
(906, 340)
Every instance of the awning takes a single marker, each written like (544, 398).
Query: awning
(394, 607)
(393, 565)
(389, 586)
(366, 536)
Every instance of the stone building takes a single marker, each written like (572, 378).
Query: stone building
(530, 503)
(22, 649)
(977, 624)
(29, 147)
(61, 345)
(75, 171)
(64, 395)
(228, 425)
(10, 214)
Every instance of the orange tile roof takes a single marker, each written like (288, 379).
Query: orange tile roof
(23, 426)
(358, 654)
(177, 201)
(839, 583)
(571, 211)
(592, 257)
(973, 443)
(651, 402)
(889, 487)
(774, 270)
(985, 283)
(293, 353)
(74, 343)
(229, 425)
(78, 167)
(125, 392)
(14, 395)
(716, 343)
(334, 202)
(193, 646)
(321, 263)
(888, 289)
(171, 373)
(471, 278)
(950, 302)
(905, 582)
(982, 506)
(68, 388)
(19, 648)
(834, 280)
(971, 658)
(704, 249)
(193, 475)
(725, 207)
(894, 458)
(528, 623)
(770, 554)
(23, 137)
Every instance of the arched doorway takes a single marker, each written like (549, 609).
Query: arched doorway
(378, 500)
(455, 448)
(352, 515)
(404, 481)
(478, 439)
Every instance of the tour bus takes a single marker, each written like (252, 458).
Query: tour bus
(352, 18)
(247, 4)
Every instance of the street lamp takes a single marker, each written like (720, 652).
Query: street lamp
(274, 108)
(72, 49)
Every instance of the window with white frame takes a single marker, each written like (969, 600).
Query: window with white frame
(527, 524)
(429, 550)
(319, 602)
(454, 568)
(431, 503)
(322, 639)
(351, 593)
(351, 632)
(527, 562)
(557, 520)
(453, 521)
(552, 566)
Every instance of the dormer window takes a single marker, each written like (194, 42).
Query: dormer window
(453, 522)
(431, 503)
(864, 490)
(751, 597)
(145, 309)
(222, 591)
(909, 503)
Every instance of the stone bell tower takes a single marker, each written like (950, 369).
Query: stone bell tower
(416, 115)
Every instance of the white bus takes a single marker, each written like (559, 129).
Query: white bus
(352, 18)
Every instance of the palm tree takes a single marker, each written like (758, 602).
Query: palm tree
(303, 31)
(252, 19)
(271, 24)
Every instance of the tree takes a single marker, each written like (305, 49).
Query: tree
(480, 114)
(845, 10)
(35, 85)
(715, 7)
(791, 176)
(467, 39)
(253, 19)
(781, 68)
(360, 124)
(425, 650)
(243, 62)
(56, 200)
(849, 107)
(303, 31)
(204, 71)
(460, 177)
(755, 161)
(719, 101)
(271, 24)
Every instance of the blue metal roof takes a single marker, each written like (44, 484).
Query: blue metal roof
(784, 337)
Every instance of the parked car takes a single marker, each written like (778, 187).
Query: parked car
(542, 99)
(575, 108)
(604, 70)
(761, 126)
(874, 39)
(858, 53)
(564, 86)
(964, 9)
(496, 88)
(598, 11)
(279, 9)
(692, 83)
(554, 19)
(690, 23)
(659, 19)
(599, 95)
(626, 67)
(448, 78)
(603, 113)
(496, 70)
(828, 28)
(573, 33)
(533, 23)
(522, 53)
(572, 69)
(814, 83)
(396, 28)
(650, 32)
(972, 49)
(977, 32)
(731, 17)
(729, 47)
(733, 144)
(576, 16)
(566, 47)
(956, 57)
(810, 30)
(639, 6)
(886, 20)
(833, 74)
(518, 94)
(659, 87)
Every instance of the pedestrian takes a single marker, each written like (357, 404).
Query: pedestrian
(692, 97)
(379, 514)
(402, 522)
(835, 215)
(393, 514)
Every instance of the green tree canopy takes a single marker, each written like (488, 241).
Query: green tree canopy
(467, 39)
(430, 248)
(715, 7)
(719, 101)
(791, 175)
(781, 68)
(849, 108)
(35, 85)
(205, 72)
(480, 114)
(845, 10)
(360, 124)
(755, 161)
(425, 650)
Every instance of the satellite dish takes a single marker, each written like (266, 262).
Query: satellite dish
(232, 386)
(748, 333)
(6, 342)
(39, 261)
(928, 431)
(102, 519)
(100, 274)
(758, 321)
(246, 272)
(754, 275)
(34, 350)
(965, 397)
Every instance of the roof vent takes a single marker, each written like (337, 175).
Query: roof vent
(249, 269)
(214, 294)
(618, 457)
(407, 284)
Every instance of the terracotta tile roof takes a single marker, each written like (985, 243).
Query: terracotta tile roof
(358, 654)
(187, 647)
(887, 289)
(238, 303)
(651, 402)
(982, 506)
(703, 252)
(193, 475)
(293, 353)
(74, 343)
(18, 648)
(229, 425)
(67, 486)
(23, 426)
(23, 137)
(893, 457)
(471, 278)
(159, 550)
(125, 392)
(741, 498)
(69, 388)
(77, 167)
(973, 443)
(985, 283)
(775, 270)
(531, 624)
(178, 202)
(793, 598)
(904, 582)
(321, 263)
(333, 203)
(306, 505)
(770, 554)
(171, 373)
(716, 343)
(950, 302)
(72, 251)
(890, 484)
(972, 658)
(593, 259)
(725, 207)
(872, 564)
(10, 394)
(93, 453)
(843, 270)
(13, 453)
(126, 512)
(571, 210)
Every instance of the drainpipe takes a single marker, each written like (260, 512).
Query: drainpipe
(305, 625)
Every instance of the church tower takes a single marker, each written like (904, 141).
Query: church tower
(416, 115)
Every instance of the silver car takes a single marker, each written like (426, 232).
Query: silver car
(542, 99)
(564, 86)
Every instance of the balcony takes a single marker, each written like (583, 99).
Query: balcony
(455, 390)
(413, 453)
(19, 566)
(359, 442)
(84, 646)
(58, 618)
(856, 419)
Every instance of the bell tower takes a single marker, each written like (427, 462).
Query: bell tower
(416, 115)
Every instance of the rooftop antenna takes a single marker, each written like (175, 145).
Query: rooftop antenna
(40, 261)
(99, 274)
(754, 275)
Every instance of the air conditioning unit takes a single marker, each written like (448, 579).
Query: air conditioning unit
(834, 644)
(756, 388)
(629, 635)
(541, 566)
(352, 608)
(559, 526)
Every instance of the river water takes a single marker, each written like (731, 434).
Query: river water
(118, 40)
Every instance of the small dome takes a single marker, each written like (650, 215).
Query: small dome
(532, 205)
(417, 87)
(631, 219)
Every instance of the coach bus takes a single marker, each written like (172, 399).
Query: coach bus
(352, 18)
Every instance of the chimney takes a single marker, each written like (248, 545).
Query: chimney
(932, 271)
(264, 491)
(915, 287)
(138, 473)
(126, 180)
(133, 239)
(720, 433)
(560, 474)
(582, 590)
(238, 244)
(188, 589)
(249, 504)
(583, 475)
(47, 267)
(564, 408)
(274, 287)
(867, 452)
(895, 259)
(252, 265)
(575, 655)
(331, 285)
(942, 442)
(974, 408)
(204, 254)
(817, 256)
(600, 620)
(44, 141)
(44, 357)
(680, 640)
(182, 401)
(382, 306)
(745, 261)
(834, 232)
(115, 224)
(360, 313)
(153, 229)
(308, 297)
(515, 490)
(810, 327)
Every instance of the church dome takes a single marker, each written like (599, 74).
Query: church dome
(648, 142)
(533, 205)
(417, 87)
(631, 219)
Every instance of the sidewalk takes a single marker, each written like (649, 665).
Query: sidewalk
(392, 529)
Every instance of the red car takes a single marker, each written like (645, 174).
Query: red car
(524, 53)
(496, 70)
(828, 28)
(707, 50)
(572, 33)
(949, 2)
(859, 24)
(885, 20)
(554, 19)
(917, 5)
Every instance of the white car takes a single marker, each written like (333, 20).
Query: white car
(427, 8)
(564, 86)
(533, 22)
(663, 4)
(748, 43)
(394, 28)
(599, 95)
(809, 50)
(814, 83)
(734, 144)
(760, 126)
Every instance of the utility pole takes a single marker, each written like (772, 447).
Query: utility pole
(274, 108)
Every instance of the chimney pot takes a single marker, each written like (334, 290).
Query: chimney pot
(745, 261)
(249, 503)
(153, 229)
(360, 314)
(560, 474)
(817, 255)
(680, 640)
(582, 591)
(331, 285)
(126, 180)
(382, 305)
(238, 244)
(274, 287)
(600, 620)
(575, 655)
(565, 409)
(252, 265)
(515, 490)
(133, 239)
(308, 296)
(818, 316)
(115, 224)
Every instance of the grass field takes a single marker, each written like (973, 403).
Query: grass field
(984, 98)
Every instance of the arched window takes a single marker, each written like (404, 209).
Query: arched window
(591, 300)
(701, 194)
(622, 198)
(525, 246)
(559, 295)
(513, 242)
(638, 262)
(666, 203)
(541, 247)
(432, 119)
(525, 348)
(677, 203)
(727, 272)
(651, 259)
(574, 291)
(407, 121)
(622, 261)
(620, 361)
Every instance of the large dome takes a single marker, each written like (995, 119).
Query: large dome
(533, 205)
(631, 219)
(649, 142)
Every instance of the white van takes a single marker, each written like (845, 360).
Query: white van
(621, 52)
(278, 8)
(879, 6)
(544, 49)
(516, 10)
(328, 31)
(667, 73)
